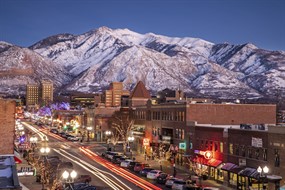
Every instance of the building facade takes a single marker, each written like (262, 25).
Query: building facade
(46, 91)
(32, 95)
(112, 97)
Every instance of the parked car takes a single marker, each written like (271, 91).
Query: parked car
(72, 138)
(62, 134)
(139, 166)
(178, 184)
(162, 178)
(104, 154)
(125, 163)
(169, 182)
(110, 155)
(55, 131)
(153, 174)
(119, 160)
(114, 159)
(132, 165)
(144, 171)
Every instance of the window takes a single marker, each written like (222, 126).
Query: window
(237, 150)
(215, 146)
(264, 154)
(249, 152)
(277, 158)
(243, 151)
(221, 147)
(257, 153)
(231, 148)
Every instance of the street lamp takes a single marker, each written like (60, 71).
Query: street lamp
(108, 134)
(33, 141)
(68, 178)
(262, 174)
(44, 151)
(130, 139)
(88, 132)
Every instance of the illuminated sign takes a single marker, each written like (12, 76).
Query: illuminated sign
(207, 154)
(182, 146)
(26, 171)
(146, 142)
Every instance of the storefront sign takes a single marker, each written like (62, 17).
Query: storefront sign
(146, 142)
(207, 154)
(26, 171)
(256, 142)
(182, 146)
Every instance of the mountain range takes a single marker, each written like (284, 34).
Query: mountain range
(89, 62)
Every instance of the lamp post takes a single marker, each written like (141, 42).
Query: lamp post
(130, 139)
(262, 174)
(88, 133)
(68, 178)
(108, 134)
(44, 151)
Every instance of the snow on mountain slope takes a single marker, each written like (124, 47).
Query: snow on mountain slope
(90, 61)
(20, 66)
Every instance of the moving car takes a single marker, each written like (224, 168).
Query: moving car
(153, 174)
(55, 131)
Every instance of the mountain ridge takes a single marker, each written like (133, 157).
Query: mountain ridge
(90, 61)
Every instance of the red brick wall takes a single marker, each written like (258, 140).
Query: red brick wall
(7, 126)
(232, 114)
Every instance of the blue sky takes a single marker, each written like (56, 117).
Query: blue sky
(261, 22)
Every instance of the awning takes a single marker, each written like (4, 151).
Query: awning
(247, 172)
(228, 166)
(237, 170)
(214, 162)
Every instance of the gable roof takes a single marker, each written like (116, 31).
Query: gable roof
(140, 91)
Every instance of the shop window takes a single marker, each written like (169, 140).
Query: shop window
(221, 147)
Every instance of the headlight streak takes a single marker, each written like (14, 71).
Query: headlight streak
(131, 177)
(95, 171)
(38, 132)
(114, 168)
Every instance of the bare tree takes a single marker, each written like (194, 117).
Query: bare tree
(122, 124)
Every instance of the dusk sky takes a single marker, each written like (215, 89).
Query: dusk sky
(261, 22)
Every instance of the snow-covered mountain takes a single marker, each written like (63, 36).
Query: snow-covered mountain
(90, 61)
(20, 66)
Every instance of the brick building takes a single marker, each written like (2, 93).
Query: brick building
(7, 126)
